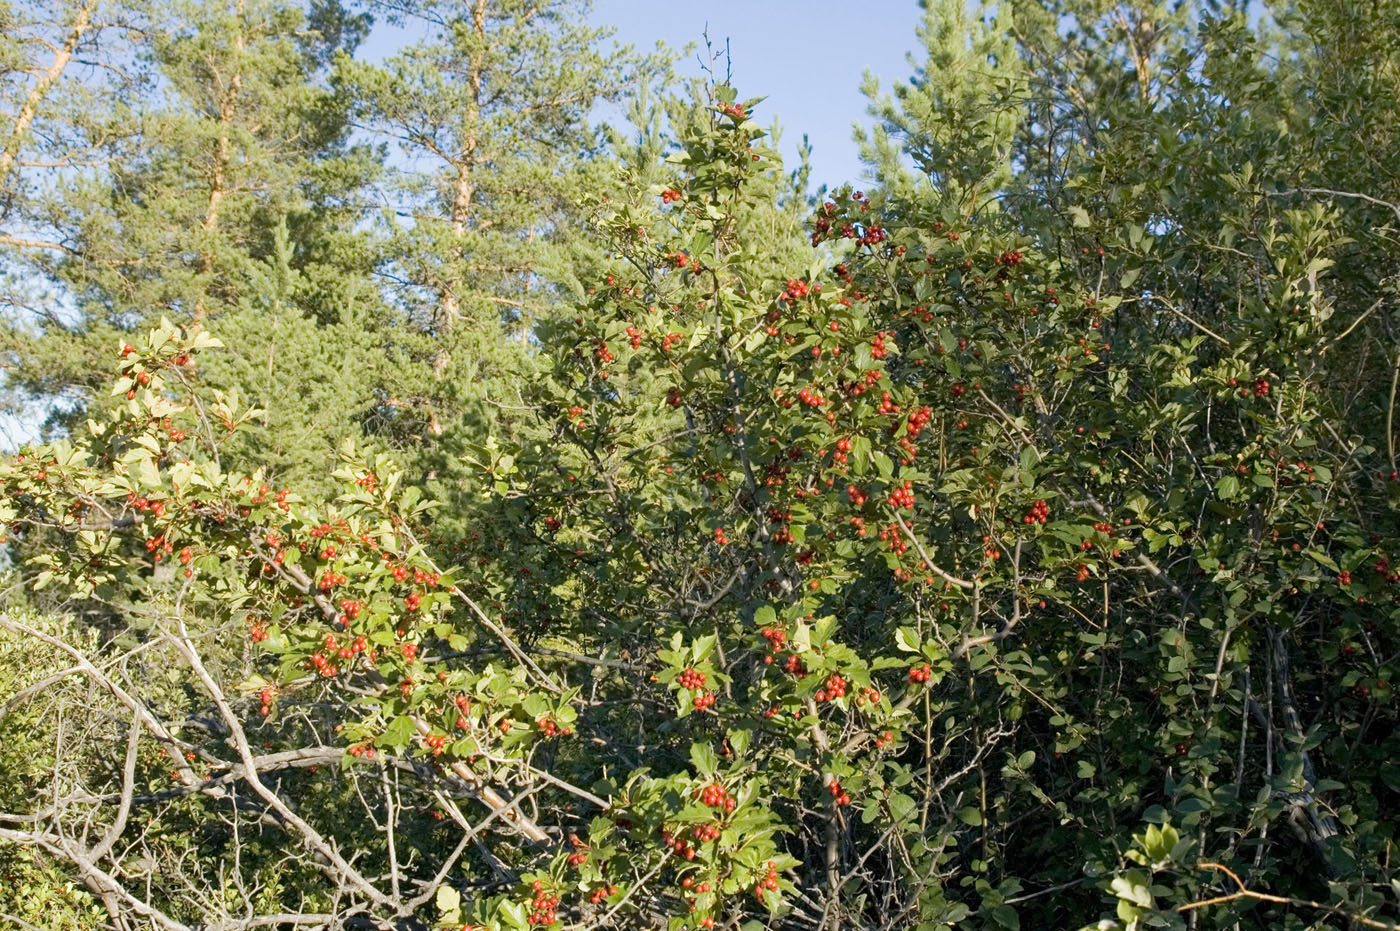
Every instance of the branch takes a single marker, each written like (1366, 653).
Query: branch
(309, 834)
(1243, 893)
(97, 879)
(7, 240)
(1353, 195)
(493, 799)
(81, 21)
(928, 560)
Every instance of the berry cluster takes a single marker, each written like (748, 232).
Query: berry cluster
(634, 337)
(1038, 514)
(175, 434)
(843, 451)
(918, 420)
(670, 195)
(322, 665)
(716, 796)
(873, 234)
(550, 727)
(869, 379)
(1010, 257)
(329, 580)
(157, 508)
(884, 740)
(265, 701)
(796, 290)
(902, 497)
(671, 339)
(358, 646)
(837, 795)
(835, 688)
(543, 906)
(720, 538)
(691, 679)
(436, 743)
(704, 700)
(810, 398)
(160, 546)
(767, 884)
(918, 675)
(679, 844)
(601, 893)
(775, 636)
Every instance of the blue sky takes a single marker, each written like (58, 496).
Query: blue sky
(807, 58)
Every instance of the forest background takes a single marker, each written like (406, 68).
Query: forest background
(479, 484)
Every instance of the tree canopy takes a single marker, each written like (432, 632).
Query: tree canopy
(451, 513)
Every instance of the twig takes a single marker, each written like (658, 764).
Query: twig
(1241, 892)
(928, 560)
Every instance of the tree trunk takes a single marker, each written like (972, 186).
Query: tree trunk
(464, 184)
(463, 190)
(82, 21)
(218, 177)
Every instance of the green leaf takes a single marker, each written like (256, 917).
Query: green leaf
(1133, 887)
(398, 734)
(703, 758)
(449, 901)
(1005, 916)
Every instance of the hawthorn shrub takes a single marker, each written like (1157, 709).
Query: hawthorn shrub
(926, 585)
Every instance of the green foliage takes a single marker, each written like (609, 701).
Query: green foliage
(1009, 546)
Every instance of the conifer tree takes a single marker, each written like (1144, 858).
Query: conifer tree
(491, 116)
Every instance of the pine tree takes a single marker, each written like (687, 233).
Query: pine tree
(957, 117)
(232, 201)
(490, 113)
